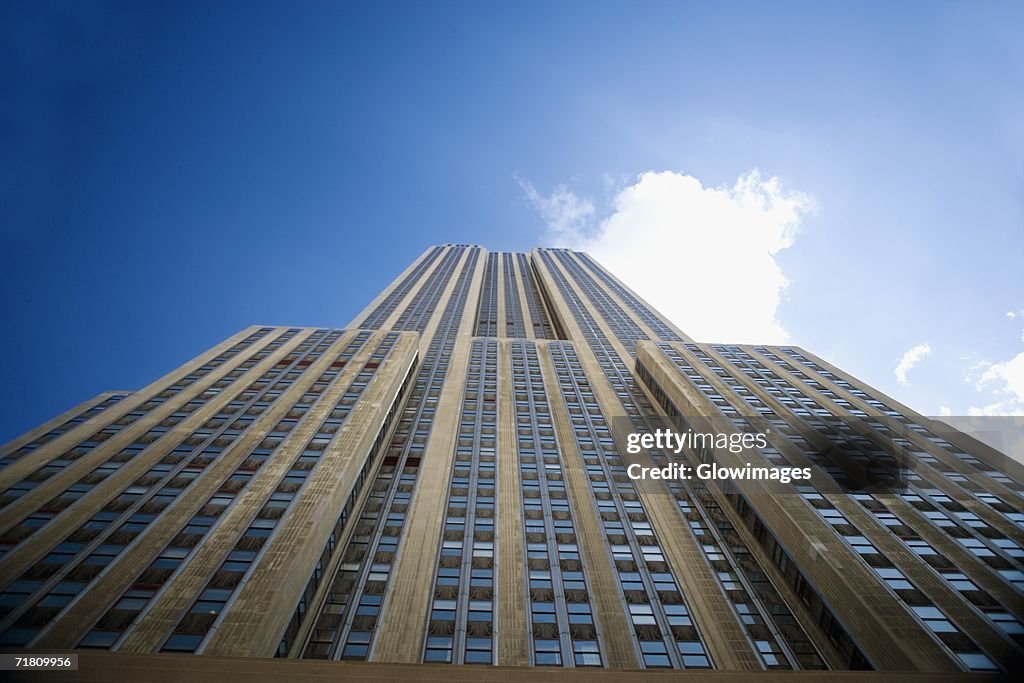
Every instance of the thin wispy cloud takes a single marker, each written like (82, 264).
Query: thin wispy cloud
(912, 357)
(1014, 315)
(667, 236)
(564, 212)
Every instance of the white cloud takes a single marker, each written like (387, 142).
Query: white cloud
(1006, 383)
(1013, 315)
(1002, 382)
(911, 358)
(669, 236)
(945, 411)
(564, 212)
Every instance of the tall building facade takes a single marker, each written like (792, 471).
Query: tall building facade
(445, 480)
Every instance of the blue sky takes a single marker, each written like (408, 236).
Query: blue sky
(173, 172)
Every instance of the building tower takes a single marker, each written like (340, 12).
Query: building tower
(445, 481)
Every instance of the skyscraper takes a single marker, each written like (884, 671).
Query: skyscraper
(447, 480)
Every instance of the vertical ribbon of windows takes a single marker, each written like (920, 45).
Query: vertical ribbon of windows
(514, 324)
(346, 622)
(331, 547)
(664, 629)
(417, 314)
(487, 313)
(653, 320)
(384, 310)
(538, 312)
(621, 324)
(563, 630)
(461, 625)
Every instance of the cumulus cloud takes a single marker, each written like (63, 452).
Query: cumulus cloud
(667, 236)
(911, 358)
(1005, 381)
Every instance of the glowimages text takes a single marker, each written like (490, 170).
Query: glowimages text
(670, 441)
